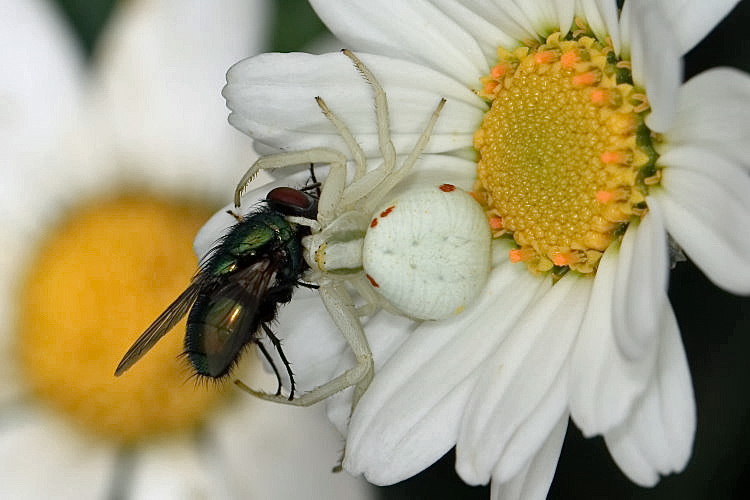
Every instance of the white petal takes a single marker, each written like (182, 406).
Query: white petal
(534, 480)
(602, 17)
(416, 31)
(407, 452)
(488, 35)
(386, 333)
(625, 30)
(565, 10)
(41, 90)
(530, 435)
(160, 70)
(173, 469)
(410, 414)
(40, 458)
(605, 384)
(714, 113)
(706, 205)
(657, 439)
(655, 55)
(273, 451)
(41, 81)
(522, 389)
(10, 388)
(439, 169)
(281, 112)
(548, 16)
(640, 285)
(692, 20)
(508, 16)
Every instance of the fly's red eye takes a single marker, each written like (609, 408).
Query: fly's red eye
(289, 196)
(291, 201)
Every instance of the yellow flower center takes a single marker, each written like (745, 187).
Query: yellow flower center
(564, 155)
(97, 283)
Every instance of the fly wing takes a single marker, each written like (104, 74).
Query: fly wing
(161, 325)
(228, 319)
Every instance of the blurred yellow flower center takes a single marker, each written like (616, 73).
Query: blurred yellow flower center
(97, 283)
(564, 155)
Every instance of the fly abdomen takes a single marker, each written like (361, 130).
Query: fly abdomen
(223, 321)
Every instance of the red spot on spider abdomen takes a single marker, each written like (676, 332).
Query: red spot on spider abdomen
(387, 211)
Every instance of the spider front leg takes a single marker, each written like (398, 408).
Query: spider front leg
(399, 174)
(339, 305)
(336, 177)
(387, 151)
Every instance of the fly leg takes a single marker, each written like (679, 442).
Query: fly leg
(266, 355)
(339, 305)
(277, 344)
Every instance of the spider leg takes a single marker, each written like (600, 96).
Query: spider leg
(331, 191)
(317, 244)
(376, 184)
(373, 301)
(304, 221)
(281, 160)
(387, 151)
(356, 150)
(397, 176)
(362, 185)
(236, 216)
(338, 303)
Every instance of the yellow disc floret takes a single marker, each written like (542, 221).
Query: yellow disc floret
(97, 283)
(564, 156)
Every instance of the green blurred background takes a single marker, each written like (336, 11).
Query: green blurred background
(715, 325)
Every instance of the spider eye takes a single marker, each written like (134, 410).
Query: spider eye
(290, 201)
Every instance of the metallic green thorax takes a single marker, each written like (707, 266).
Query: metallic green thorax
(265, 232)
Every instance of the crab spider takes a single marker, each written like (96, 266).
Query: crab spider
(334, 249)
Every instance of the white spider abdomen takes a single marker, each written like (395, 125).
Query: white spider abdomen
(427, 251)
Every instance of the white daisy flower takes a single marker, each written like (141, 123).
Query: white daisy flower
(96, 242)
(587, 153)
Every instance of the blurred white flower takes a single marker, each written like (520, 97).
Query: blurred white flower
(107, 152)
(579, 120)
